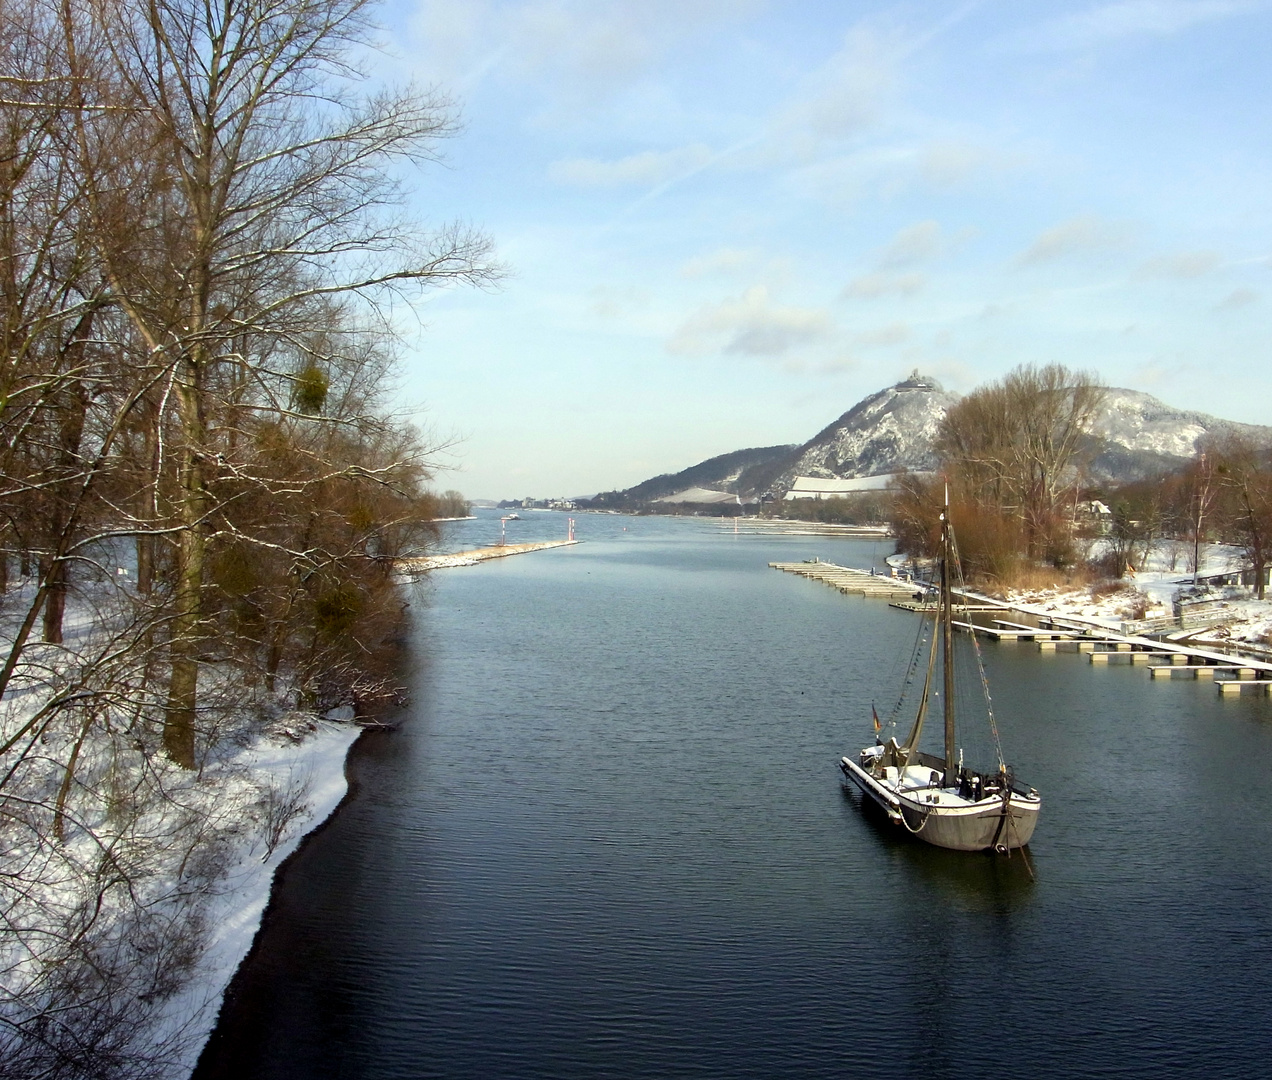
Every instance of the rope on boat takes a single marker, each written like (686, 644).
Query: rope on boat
(908, 681)
(1004, 822)
(906, 822)
(1021, 849)
(976, 650)
(1007, 820)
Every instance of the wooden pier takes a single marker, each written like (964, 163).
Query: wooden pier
(1057, 633)
(1237, 686)
(848, 580)
(1188, 671)
(1134, 656)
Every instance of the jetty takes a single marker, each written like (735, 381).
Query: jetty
(848, 580)
(1102, 645)
(750, 526)
(471, 558)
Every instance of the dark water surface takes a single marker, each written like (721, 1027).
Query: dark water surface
(609, 840)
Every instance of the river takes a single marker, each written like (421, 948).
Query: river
(609, 839)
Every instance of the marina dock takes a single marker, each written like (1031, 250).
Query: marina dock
(848, 580)
(1102, 645)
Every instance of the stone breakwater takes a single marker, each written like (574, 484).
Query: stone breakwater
(471, 558)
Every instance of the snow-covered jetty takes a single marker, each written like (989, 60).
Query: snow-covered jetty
(471, 558)
(848, 580)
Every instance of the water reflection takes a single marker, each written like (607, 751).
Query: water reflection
(975, 880)
(609, 840)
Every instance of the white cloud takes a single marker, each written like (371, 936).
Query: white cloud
(646, 169)
(722, 261)
(1237, 299)
(1184, 264)
(752, 325)
(913, 244)
(841, 98)
(836, 365)
(610, 302)
(1078, 235)
(873, 286)
(571, 45)
(1107, 22)
(946, 163)
(892, 334)
(950, 162)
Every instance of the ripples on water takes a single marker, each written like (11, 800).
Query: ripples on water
(609, 841)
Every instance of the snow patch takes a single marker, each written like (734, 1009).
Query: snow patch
(313, 768)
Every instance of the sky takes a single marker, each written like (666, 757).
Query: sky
(727, 221)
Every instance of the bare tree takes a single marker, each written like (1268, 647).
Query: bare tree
(201, 239)
(276, 197)
(1244, 476)
(1016, 445)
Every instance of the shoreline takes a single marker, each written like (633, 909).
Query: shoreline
(236, 913)
(239, 912)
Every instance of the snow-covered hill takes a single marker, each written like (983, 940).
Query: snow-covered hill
(888, 431)
(1135, 436)
(1143, 436)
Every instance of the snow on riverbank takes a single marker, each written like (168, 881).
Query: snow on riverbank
(307, 760)
(133, 888)
(407, 567)
(1150, 592)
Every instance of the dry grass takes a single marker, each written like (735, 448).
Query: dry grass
(1027, 577)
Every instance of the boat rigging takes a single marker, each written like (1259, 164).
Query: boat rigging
(938, 799)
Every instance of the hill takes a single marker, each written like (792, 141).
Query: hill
(1136, 436)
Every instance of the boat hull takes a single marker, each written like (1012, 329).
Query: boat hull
(989, 825)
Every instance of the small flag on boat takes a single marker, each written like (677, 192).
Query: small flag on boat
(876, 717)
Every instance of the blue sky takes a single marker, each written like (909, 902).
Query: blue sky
(727, 222)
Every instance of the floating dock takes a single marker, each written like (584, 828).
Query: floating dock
(848, 580)
(750, 526)
(1101, 644)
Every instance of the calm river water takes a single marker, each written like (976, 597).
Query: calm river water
(609, 840)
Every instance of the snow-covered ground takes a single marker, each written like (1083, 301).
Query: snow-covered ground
(303, 756)
(1151, 590)
(135, 888)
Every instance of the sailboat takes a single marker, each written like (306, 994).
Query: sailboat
(935, 798)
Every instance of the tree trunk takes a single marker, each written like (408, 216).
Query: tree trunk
(149, 508)
(55, 602)
(74, 405)
(183, 685)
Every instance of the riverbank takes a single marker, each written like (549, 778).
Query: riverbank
(305, 757)
(1146, 601)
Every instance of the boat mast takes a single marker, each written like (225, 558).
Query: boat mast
(947, 640)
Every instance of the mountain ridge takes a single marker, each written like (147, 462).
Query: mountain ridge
(1135, 436)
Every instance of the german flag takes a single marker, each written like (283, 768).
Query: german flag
(877, 725)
